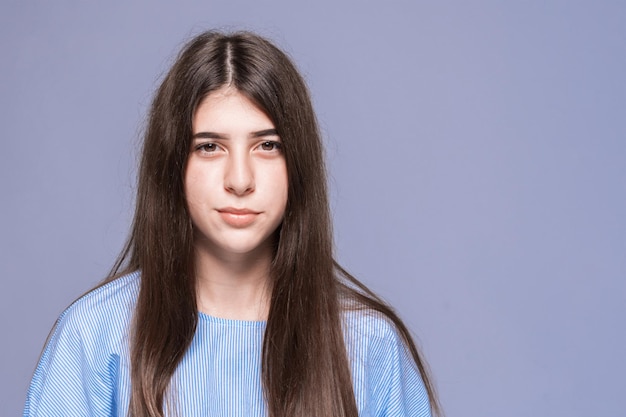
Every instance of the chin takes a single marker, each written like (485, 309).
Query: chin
(245, 248)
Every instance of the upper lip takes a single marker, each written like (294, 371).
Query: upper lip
(234, 210)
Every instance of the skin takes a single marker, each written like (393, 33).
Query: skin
(236, 190)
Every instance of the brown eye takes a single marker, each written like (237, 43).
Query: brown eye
(208, 147)
(270, 146)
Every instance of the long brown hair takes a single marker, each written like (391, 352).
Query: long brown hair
(305, 368)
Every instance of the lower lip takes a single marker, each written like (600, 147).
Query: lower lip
(238, 220)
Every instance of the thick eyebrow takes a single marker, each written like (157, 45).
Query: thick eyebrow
(207, 135)
(213, 135)
(263, 133)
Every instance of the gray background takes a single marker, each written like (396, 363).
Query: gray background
(477, 156)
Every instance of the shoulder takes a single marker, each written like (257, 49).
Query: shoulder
(108, 304)
(86, 354)
(386, 377)
(373, 343)
(369, 327)
(99, 318)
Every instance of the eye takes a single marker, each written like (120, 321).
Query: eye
(207, 147)
(270, 146)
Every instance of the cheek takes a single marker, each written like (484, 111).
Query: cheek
(194, 186)
(282, 185)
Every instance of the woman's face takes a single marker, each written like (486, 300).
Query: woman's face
(236, 176)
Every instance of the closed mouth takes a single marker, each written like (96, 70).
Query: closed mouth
(238, 211)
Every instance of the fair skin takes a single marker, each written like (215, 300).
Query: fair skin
(236, 190)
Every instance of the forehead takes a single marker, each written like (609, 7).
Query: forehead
(228, 111)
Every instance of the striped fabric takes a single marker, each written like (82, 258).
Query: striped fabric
(84, 370)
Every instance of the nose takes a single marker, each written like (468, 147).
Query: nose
(239, 175)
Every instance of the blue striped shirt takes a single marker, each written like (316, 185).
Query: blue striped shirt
(84, 369)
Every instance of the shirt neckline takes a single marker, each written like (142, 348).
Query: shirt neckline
(231, 322)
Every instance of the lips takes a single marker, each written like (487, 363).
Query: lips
(238, 217)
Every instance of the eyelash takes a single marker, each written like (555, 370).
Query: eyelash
(276, 146)
(204, 147)
(211, 147)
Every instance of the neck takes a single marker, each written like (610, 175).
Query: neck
(233, 286)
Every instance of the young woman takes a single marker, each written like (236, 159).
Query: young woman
(226, 300)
